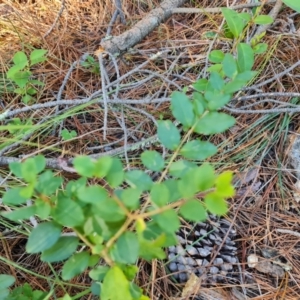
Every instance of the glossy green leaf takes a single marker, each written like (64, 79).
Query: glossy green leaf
(115, 286)
(67, 212)
(193, 210)
(229, 65)
(92, 194)
(61, 250)
(138, 179)
(200, 85)
(109, 210)
(294, 4)
(20, 214)
(214, 122)
(115, 174)
(126, 249)
(14, 197)
(48, 183)
(172, 186)
(181, 167)
(75, 265)
(215, 203)
(84, 166)
(263, 20)
(20, 59)
(235, 23)
(216, 56)
(102, 166)
(153, 160)
(216, 99)
(42, 237)
(6, 281)
(159, 194)
(168, 134)
(37, 56)
(15, 168)
(216, 82)
(42, 208)
(168, 221)
(99, 272)
(245, 57)
(198, 150)
(131, 197)
(182, 108)
(224, 184)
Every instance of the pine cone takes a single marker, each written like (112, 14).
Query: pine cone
(197, 246)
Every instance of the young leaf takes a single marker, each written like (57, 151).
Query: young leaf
(20, 60)
(6, 281)
(260, 48)
(47, 183)
(15, 167)
(92, 194)
(205, 176)
(215, 56)
(109, 211)
(234, 86)
(193, 210)
(37, 56)
(75, 265)
(216, 82)
(138, 179)
(182, 108)
(198, 150)
(263, 20)
(214, 122)
(216, 203)
(235, 23)
(201, 84)
(42, 237)
(159, 194)
(84, 166)
(199, 103)
(168, 221)
(180, 167)
(102, 166)
(126, 249)
(67, 212)
(68, 135)
(115, 286)
(168, 134)
(229, 65)
(153, 160)
(99, 273)
(61, 250)
(245, 57)
(131, 198)
(14, 197)
(150, 249)
(216, 99)
(115, 175)
(172, 186)
(20, 214)
(223, 184)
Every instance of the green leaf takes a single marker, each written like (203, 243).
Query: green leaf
(115, 175)
(215, 56)
(216, 81)
(95, 288)
(198, 150)
(84, 166)
(193, 210)
(99, 272)
(135, 290)
(115, 286)
(199, 103)
(159, 194)
(21, 78)
(75, 265)
(172, 186)
(153, 160)
(109, 210)
(223, 184)
(26, 99)
(234, 86)
(6, 281)
(150, 249)
(215, 68)
(245, 57)
(48, 183)
(20, 59)
(68, 135)
(201, 84)
(168, 134)
(168, 221)
(215, 203)
(42, 209)
(246, 76)
(102, 166)
(20, 214)
(3, 294)
(294, 4)
(61, 250)
(42, 237)
(67, 212)
(92, 194)
(131, 197)
(126, 249)
(260, 48)
(14, 197)
(205, 177)
(214, 122)
(229, 66)
(235, 23)
(37, 56)
(216, 99)
(181, 167)
(139, 179)
(182, 108)
(263, 20)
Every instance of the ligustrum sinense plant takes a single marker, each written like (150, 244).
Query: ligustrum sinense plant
(110, 228)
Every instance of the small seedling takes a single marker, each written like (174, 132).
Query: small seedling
(68, 135)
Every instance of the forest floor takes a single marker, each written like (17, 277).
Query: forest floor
(265, 210)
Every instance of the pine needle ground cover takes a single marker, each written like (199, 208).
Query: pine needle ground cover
(264, 212)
